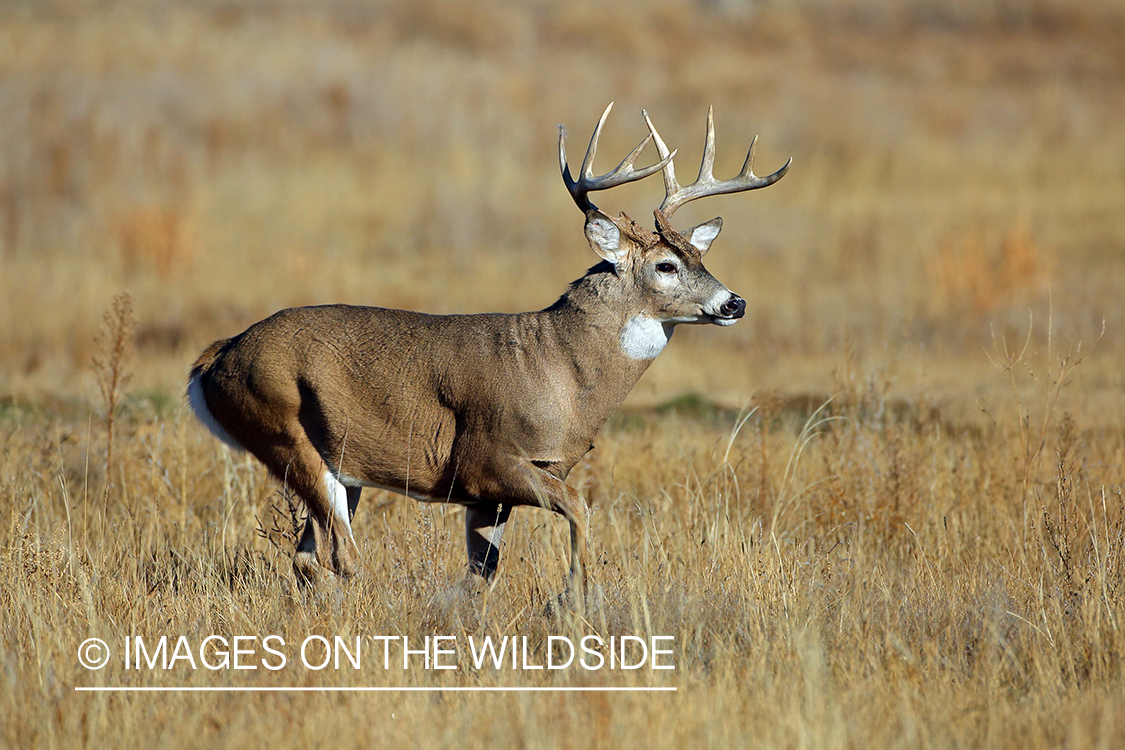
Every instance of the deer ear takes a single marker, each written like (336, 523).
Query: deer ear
(604, 236)
(703, 235)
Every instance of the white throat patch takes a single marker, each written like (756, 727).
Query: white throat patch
(644, 337)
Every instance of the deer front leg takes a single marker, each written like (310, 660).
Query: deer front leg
(484, 530)
(574, 509)
(521, 483)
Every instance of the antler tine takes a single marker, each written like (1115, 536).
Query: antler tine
(748, 165)
(706, 184)
(708, 164)
(588, 159)
(748, 169)
(670, 184)
(621, 174)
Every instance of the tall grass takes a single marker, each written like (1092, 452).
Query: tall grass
(870, 577)
(222, 162)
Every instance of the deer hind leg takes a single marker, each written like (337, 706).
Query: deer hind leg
(305, 563)
(327, 539)
(484, 530)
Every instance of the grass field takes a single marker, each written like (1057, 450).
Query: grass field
(884, 510)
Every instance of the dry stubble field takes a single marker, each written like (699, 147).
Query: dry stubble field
(885, 510)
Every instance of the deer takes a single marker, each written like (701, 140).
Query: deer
(488, 411)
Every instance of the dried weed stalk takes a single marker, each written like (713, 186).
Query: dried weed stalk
(1048, 386)
(112, 364)
(286, 520)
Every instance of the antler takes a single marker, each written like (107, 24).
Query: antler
(706, 184)
(624, 172)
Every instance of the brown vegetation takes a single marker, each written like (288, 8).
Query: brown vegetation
(891, 517)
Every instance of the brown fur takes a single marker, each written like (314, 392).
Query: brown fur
(489, 411)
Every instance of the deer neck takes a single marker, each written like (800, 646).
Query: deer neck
(609, 342)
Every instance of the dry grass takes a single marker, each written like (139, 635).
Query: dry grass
(868, 578)
(933, 559)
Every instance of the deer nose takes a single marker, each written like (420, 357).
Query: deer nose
(735, 307)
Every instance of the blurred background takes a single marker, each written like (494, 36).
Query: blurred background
(958, 179)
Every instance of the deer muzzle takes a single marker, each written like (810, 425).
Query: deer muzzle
(733, 308)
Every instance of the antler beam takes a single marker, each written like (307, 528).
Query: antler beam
(623, 173)
(706, 184)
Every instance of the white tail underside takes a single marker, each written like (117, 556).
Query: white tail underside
(203, 414)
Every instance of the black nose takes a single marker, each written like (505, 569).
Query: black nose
(735, 307)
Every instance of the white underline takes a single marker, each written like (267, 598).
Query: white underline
(365, 689)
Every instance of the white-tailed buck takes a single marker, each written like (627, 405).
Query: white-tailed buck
(489, 411)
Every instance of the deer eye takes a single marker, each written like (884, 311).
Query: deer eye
(666, 267)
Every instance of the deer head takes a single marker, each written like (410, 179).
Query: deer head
(662, 273)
